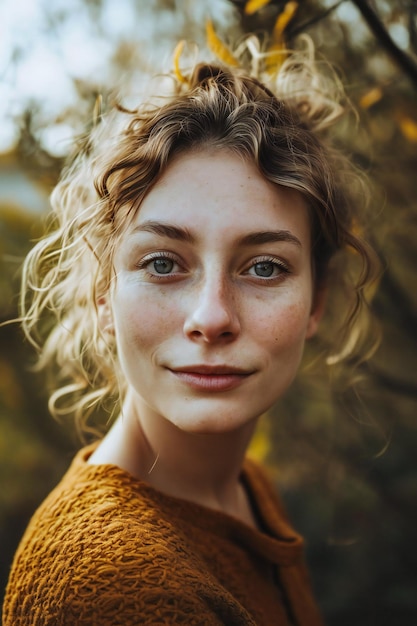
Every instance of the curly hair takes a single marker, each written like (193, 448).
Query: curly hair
(279, 121)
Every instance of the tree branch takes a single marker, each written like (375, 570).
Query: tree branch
(301, 28)
(405, 62)
(412, 24)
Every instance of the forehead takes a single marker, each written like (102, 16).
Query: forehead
(211, 192)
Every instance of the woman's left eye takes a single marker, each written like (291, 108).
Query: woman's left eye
(267, 269)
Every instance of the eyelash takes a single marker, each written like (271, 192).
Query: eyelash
(145, 262)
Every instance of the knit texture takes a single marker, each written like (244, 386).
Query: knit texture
(107, 549)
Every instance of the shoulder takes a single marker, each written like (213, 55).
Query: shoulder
(96, 513)
(99, 551)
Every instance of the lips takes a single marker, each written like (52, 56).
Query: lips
(211, 377)
(215, 370)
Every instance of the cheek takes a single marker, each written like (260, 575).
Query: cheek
(141, 318)
(285, 328)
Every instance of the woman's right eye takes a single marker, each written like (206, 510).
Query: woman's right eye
(159, 265)
(163, 265)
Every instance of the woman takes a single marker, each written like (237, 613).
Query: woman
(191, 255)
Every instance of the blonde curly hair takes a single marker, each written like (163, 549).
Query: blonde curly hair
(278, 119)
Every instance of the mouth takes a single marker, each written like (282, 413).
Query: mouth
(211, 377)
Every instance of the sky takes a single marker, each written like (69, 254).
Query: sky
(39, 55)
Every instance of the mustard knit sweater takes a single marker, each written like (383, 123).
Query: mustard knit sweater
(106, 549)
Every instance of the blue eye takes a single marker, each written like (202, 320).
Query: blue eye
(160, 265)
(163, 265)
(268, 268)
(264, 269)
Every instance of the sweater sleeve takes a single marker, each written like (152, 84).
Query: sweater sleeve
(102, 591)
(117, 575)
(91, 603)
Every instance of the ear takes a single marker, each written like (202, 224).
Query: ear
(105, 315)
(317, 310)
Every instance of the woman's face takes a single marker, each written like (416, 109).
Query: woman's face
(213, 296)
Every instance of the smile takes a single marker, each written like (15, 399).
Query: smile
(211, 378)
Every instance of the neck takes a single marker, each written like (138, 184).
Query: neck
(202, 468)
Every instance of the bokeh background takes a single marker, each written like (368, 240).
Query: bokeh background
(345, 460)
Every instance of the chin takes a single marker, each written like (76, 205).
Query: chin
(213, 424)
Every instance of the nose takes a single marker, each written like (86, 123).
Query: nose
(213, 315)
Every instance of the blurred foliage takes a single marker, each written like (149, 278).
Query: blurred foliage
(344, 459)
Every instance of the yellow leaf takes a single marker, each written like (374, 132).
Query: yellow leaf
(277, 53)
(370, 97)
(177, 55)
(408, 128)
(284, 18)
(254, 5)
(218, 47)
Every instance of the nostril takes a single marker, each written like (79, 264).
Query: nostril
(211, 335)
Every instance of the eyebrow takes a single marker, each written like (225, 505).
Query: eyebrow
(270, 236)
(163, 229)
